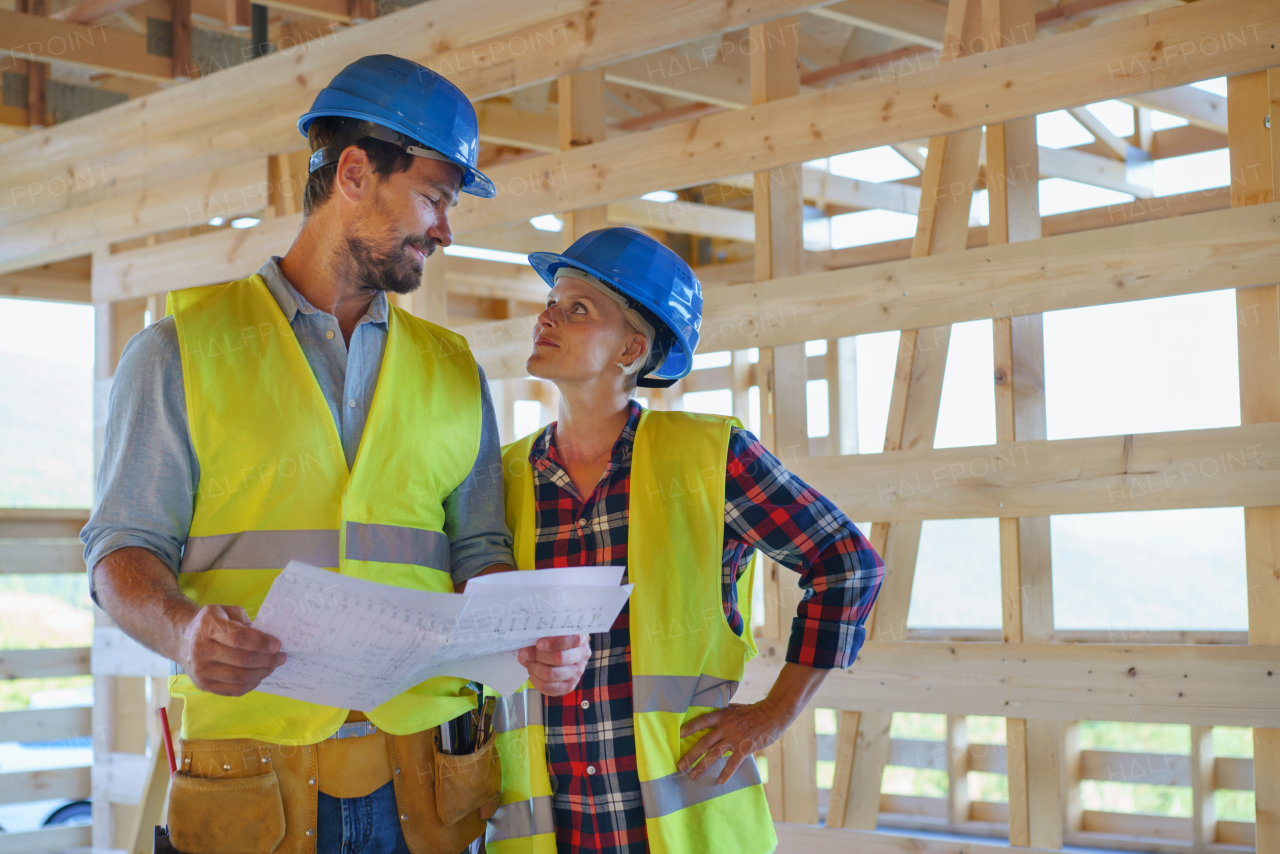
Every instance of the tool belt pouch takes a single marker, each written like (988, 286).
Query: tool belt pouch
(226, 799)
(467, 782)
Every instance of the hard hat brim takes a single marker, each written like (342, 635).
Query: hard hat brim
(474, 182)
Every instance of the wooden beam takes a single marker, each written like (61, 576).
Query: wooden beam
(582, 115)
(60, 783)
(1219, 685)
(47, 283)
(860, 116)
(917, 21)
(88, 11)
(700, 76)
(1114, 144)
(1223, 467)
(949, 176)
(45, 724)
(683, 217)
(503, 124)
(777, 207)
(94, 48)
(46, 839)
(801, 839)
(1255, 181)
(43, 663)
(1200, 108)
(182, 67)
(487, 48)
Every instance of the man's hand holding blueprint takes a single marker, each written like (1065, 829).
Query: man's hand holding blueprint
(355, 644)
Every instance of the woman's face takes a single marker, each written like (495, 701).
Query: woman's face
(582, 335)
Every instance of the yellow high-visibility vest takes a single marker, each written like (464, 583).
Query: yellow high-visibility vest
(685, 660)
(274, 486)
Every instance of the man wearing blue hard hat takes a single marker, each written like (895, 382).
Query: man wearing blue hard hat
(297, 414)
(647, 753)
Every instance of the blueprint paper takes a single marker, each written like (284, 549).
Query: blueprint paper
(355, 644)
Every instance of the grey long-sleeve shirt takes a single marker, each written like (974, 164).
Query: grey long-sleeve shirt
(149, 473)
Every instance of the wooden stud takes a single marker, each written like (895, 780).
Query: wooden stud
(957, 769)
(239, 15)
(947, 189)
(1255, 149)
(180, 17)
(582, 122)
(777, 203)
(1204, 818)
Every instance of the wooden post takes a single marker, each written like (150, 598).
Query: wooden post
(37, 77)
(782, 373)
(1254, 178)
(431, 300)
(957, 769)
(180, 17)
(582, 115)
(951, 170)
(1072, 775)
(1204, 819)
(239, 15)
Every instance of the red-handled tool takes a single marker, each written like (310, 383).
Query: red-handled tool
(168, 742)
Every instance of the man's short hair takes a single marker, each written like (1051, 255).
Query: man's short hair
(387, 160)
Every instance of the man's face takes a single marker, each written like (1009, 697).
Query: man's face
(400, 221)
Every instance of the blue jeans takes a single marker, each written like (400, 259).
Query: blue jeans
(368, 825)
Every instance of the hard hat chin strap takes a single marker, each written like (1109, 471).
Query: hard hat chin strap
(354, 130)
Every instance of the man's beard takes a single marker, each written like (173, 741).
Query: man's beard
(394, 269)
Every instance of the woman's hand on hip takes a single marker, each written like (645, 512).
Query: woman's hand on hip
(738, 730)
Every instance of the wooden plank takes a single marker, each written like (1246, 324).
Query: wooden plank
(22, 786)
(917, 21)
(777, 208)
(1255, 180)
(801, 839)
(1200, 108)
(897, 108)
(43, 663)
(1112, 143)
(45, 839)
(1212, 685)
(486, 48)
(949, 176)
(88, 11)
(22, 557)
(97, 220)
(117, 654)
(957, 746)
(582, 115)
(40, 39)
(46, 283)
(1222, 467)
(1200, 770)
(44, 724)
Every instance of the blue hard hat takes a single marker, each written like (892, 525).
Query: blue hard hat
(418, 106)
(652, 276)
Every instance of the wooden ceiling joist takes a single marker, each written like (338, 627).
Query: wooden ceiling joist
(251, 110)
(917, 21)
(94, 48)
(1109, 61)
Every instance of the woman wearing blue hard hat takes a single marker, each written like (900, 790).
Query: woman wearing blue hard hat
(647, 753)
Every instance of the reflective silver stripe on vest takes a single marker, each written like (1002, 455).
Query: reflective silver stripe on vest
(676, 791)
(518, 711)
(522, 818)
(260, 550)
(678, 693)
(396, 544)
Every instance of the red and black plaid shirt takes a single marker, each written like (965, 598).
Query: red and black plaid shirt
(591, 749)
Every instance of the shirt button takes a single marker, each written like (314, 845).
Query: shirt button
(591, 769)
(352, 403)
(586, 704)
(582, 522)
(329, 335)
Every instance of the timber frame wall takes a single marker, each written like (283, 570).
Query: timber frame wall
(114, 186)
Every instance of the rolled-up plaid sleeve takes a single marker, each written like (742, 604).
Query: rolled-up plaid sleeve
(770, 509)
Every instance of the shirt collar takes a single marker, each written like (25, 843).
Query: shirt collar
(291, 302)
(543, 453)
